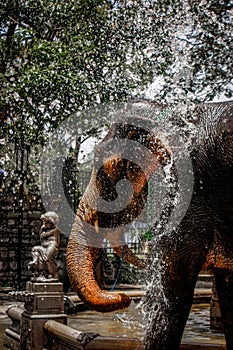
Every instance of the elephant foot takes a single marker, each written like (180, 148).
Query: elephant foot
(224, 286)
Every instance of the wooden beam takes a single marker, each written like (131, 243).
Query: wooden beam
(68, 336)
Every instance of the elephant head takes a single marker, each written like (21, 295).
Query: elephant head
(93, 223)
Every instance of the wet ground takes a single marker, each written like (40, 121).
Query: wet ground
(127, 323)
(198, 326)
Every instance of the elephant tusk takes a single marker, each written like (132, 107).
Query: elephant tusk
(96, 226)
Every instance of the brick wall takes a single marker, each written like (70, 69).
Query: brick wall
(19, 232)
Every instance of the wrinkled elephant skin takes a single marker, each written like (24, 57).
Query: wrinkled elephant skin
(204, 236)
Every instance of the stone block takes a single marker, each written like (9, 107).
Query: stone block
(11, 222)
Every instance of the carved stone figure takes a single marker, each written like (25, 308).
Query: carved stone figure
(44, 256)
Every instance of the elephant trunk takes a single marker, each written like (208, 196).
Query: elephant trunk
(80, 267)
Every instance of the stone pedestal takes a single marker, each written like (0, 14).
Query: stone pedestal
(44, 300)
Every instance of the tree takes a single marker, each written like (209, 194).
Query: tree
(56, 58)
(190, 46)
(59, 57)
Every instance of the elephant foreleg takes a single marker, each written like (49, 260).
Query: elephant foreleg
(224, 285)
(173, 274)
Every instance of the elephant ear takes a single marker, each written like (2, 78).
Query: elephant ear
(92, 224)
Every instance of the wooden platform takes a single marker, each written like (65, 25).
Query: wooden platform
(201, 346)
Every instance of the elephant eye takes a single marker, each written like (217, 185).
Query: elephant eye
(228, 136)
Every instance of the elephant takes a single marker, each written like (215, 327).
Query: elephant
(202, 238)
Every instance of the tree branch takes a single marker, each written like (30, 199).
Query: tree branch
(10, 34)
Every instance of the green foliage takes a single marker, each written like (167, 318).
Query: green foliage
(58, 57)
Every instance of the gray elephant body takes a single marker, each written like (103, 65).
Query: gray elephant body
(203, 237)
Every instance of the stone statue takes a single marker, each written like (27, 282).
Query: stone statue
(44, 255)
